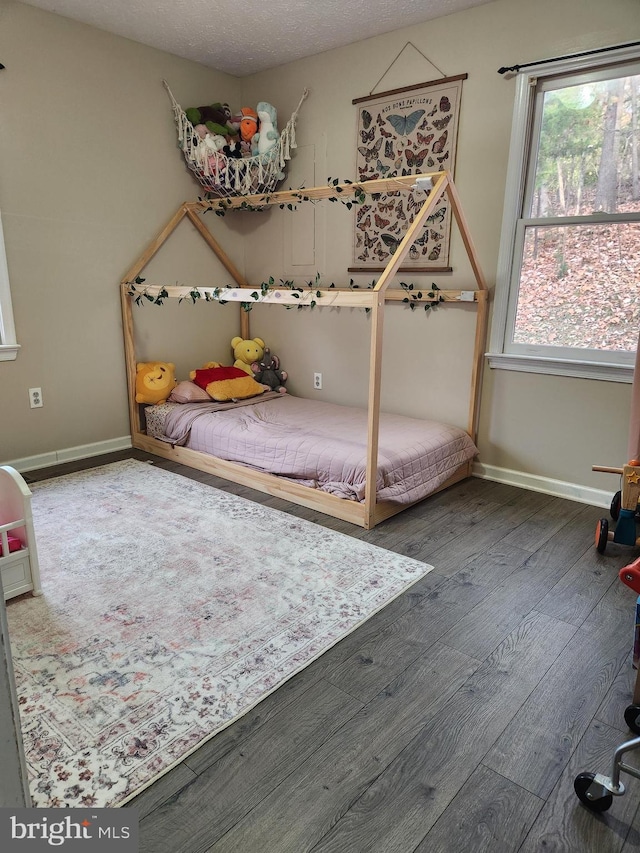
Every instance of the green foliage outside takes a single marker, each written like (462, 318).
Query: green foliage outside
(580, 282)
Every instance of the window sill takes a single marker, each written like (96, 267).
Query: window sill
(562, 367)
(8, 352)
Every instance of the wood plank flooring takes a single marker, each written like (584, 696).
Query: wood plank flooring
(453, 721)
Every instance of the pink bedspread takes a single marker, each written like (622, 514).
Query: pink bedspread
(324, 445)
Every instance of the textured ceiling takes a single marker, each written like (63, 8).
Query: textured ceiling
(242, 37)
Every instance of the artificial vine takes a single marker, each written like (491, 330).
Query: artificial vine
(214, 294)
(413, 298)
(224, 204)
(141, 295)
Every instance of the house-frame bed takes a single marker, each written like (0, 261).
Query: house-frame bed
(370, 511)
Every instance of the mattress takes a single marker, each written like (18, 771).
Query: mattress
(318, 444)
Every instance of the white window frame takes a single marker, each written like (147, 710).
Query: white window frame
(590, 364)
(9, 345)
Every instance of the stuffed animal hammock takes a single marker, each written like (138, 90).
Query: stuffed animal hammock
(235, 176)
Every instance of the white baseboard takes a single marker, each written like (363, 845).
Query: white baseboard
(557, 488)
(70, 454)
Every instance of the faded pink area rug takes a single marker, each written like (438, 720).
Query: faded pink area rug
(170, 609)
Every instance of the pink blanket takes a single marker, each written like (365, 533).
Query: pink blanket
(324, 445)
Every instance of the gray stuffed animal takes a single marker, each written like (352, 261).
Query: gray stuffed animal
(267, 372)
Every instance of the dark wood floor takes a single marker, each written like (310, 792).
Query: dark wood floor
(453, 721)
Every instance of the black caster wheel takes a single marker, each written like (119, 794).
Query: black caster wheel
(595, 803)
(632, 718)
(602, 535)
(614, 510)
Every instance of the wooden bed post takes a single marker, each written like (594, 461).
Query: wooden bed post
(373, 420)
(130, 357)
(375, 363)
(244, 323)
(482, 317)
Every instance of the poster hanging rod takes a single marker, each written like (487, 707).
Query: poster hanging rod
(517, 68)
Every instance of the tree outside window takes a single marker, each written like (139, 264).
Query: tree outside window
(574, 272)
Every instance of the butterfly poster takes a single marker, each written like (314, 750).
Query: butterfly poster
(405, 131)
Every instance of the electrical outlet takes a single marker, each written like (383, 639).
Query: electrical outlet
(35, 398)
(317, 381)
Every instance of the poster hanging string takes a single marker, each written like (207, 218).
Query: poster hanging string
(393, 62)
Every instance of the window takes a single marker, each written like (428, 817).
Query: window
(568, 290)
(8, 344)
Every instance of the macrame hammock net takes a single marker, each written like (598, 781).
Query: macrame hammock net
(235, 176)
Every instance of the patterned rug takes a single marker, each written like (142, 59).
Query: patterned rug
(170, 609)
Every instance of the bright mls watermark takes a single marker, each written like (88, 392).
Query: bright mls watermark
(81, 830)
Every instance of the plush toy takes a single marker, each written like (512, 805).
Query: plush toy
(233, 149)
(248, 124)
(267, 372)
(267, 136)
(216, 118)
(209, 149)
(225, 383)
(234, 122)
(155, 380)
(246, 352)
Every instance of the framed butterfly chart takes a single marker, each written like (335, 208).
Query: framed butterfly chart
(405, 132)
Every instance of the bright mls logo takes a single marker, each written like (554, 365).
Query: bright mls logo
(86, 830)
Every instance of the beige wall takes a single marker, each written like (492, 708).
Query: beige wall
(78, 206)
(90, 173)
(553, 427)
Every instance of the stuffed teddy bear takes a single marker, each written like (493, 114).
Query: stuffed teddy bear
(155, 380)
(246, 352)
(267, 372)
(267, 136)
(225, 383)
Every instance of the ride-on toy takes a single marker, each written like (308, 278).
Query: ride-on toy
(624, 508)
(595, 790)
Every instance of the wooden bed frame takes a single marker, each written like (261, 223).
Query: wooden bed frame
(370, 512)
